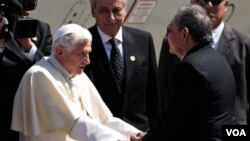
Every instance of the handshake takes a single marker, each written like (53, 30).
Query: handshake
(136, 137)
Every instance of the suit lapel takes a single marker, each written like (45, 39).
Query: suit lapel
(100, 58)
(14, 48)
(129, 54)
(226, 44)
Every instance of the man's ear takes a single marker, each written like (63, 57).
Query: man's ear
(184, 33)
(226, 4)
(59, 50)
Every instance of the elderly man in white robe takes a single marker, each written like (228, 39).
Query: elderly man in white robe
(56, 101)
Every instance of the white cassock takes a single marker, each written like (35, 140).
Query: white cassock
(49, 103)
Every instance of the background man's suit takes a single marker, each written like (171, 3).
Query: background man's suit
(200, 99)
(139, 104)
(235, 48)
(13, 64)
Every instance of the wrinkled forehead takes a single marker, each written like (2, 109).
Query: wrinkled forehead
(110, 3)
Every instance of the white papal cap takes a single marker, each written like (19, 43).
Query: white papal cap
(72, 28)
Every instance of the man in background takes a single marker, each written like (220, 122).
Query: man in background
(16, 56)
(123, 65)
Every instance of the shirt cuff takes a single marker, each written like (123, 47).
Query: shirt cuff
(31, 54)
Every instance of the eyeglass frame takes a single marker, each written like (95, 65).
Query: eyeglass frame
(214, 2)
(106, 11)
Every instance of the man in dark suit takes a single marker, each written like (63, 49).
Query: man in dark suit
(232, 45)
(202, 89)
(136, 101)
(16, 56)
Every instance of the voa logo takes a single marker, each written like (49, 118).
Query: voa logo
(236, 132)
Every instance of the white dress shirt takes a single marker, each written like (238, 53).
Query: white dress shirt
(105, 41)
(216, 33)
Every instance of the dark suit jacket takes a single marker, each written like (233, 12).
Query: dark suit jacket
(235, 48)
(200, 100)
(166, 67)
(13, 64)
(139, 103)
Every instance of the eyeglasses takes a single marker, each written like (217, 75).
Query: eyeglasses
(214, 2)
(115, 11)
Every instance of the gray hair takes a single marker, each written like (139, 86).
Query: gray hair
(195, 18)
(92, 2)
(71, 40)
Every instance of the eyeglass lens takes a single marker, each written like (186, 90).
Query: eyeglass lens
(214, 2)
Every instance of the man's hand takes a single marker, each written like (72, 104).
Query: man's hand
(26, 44)
(138, 136)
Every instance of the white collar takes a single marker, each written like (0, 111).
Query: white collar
(105, 38)
(216, 33)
